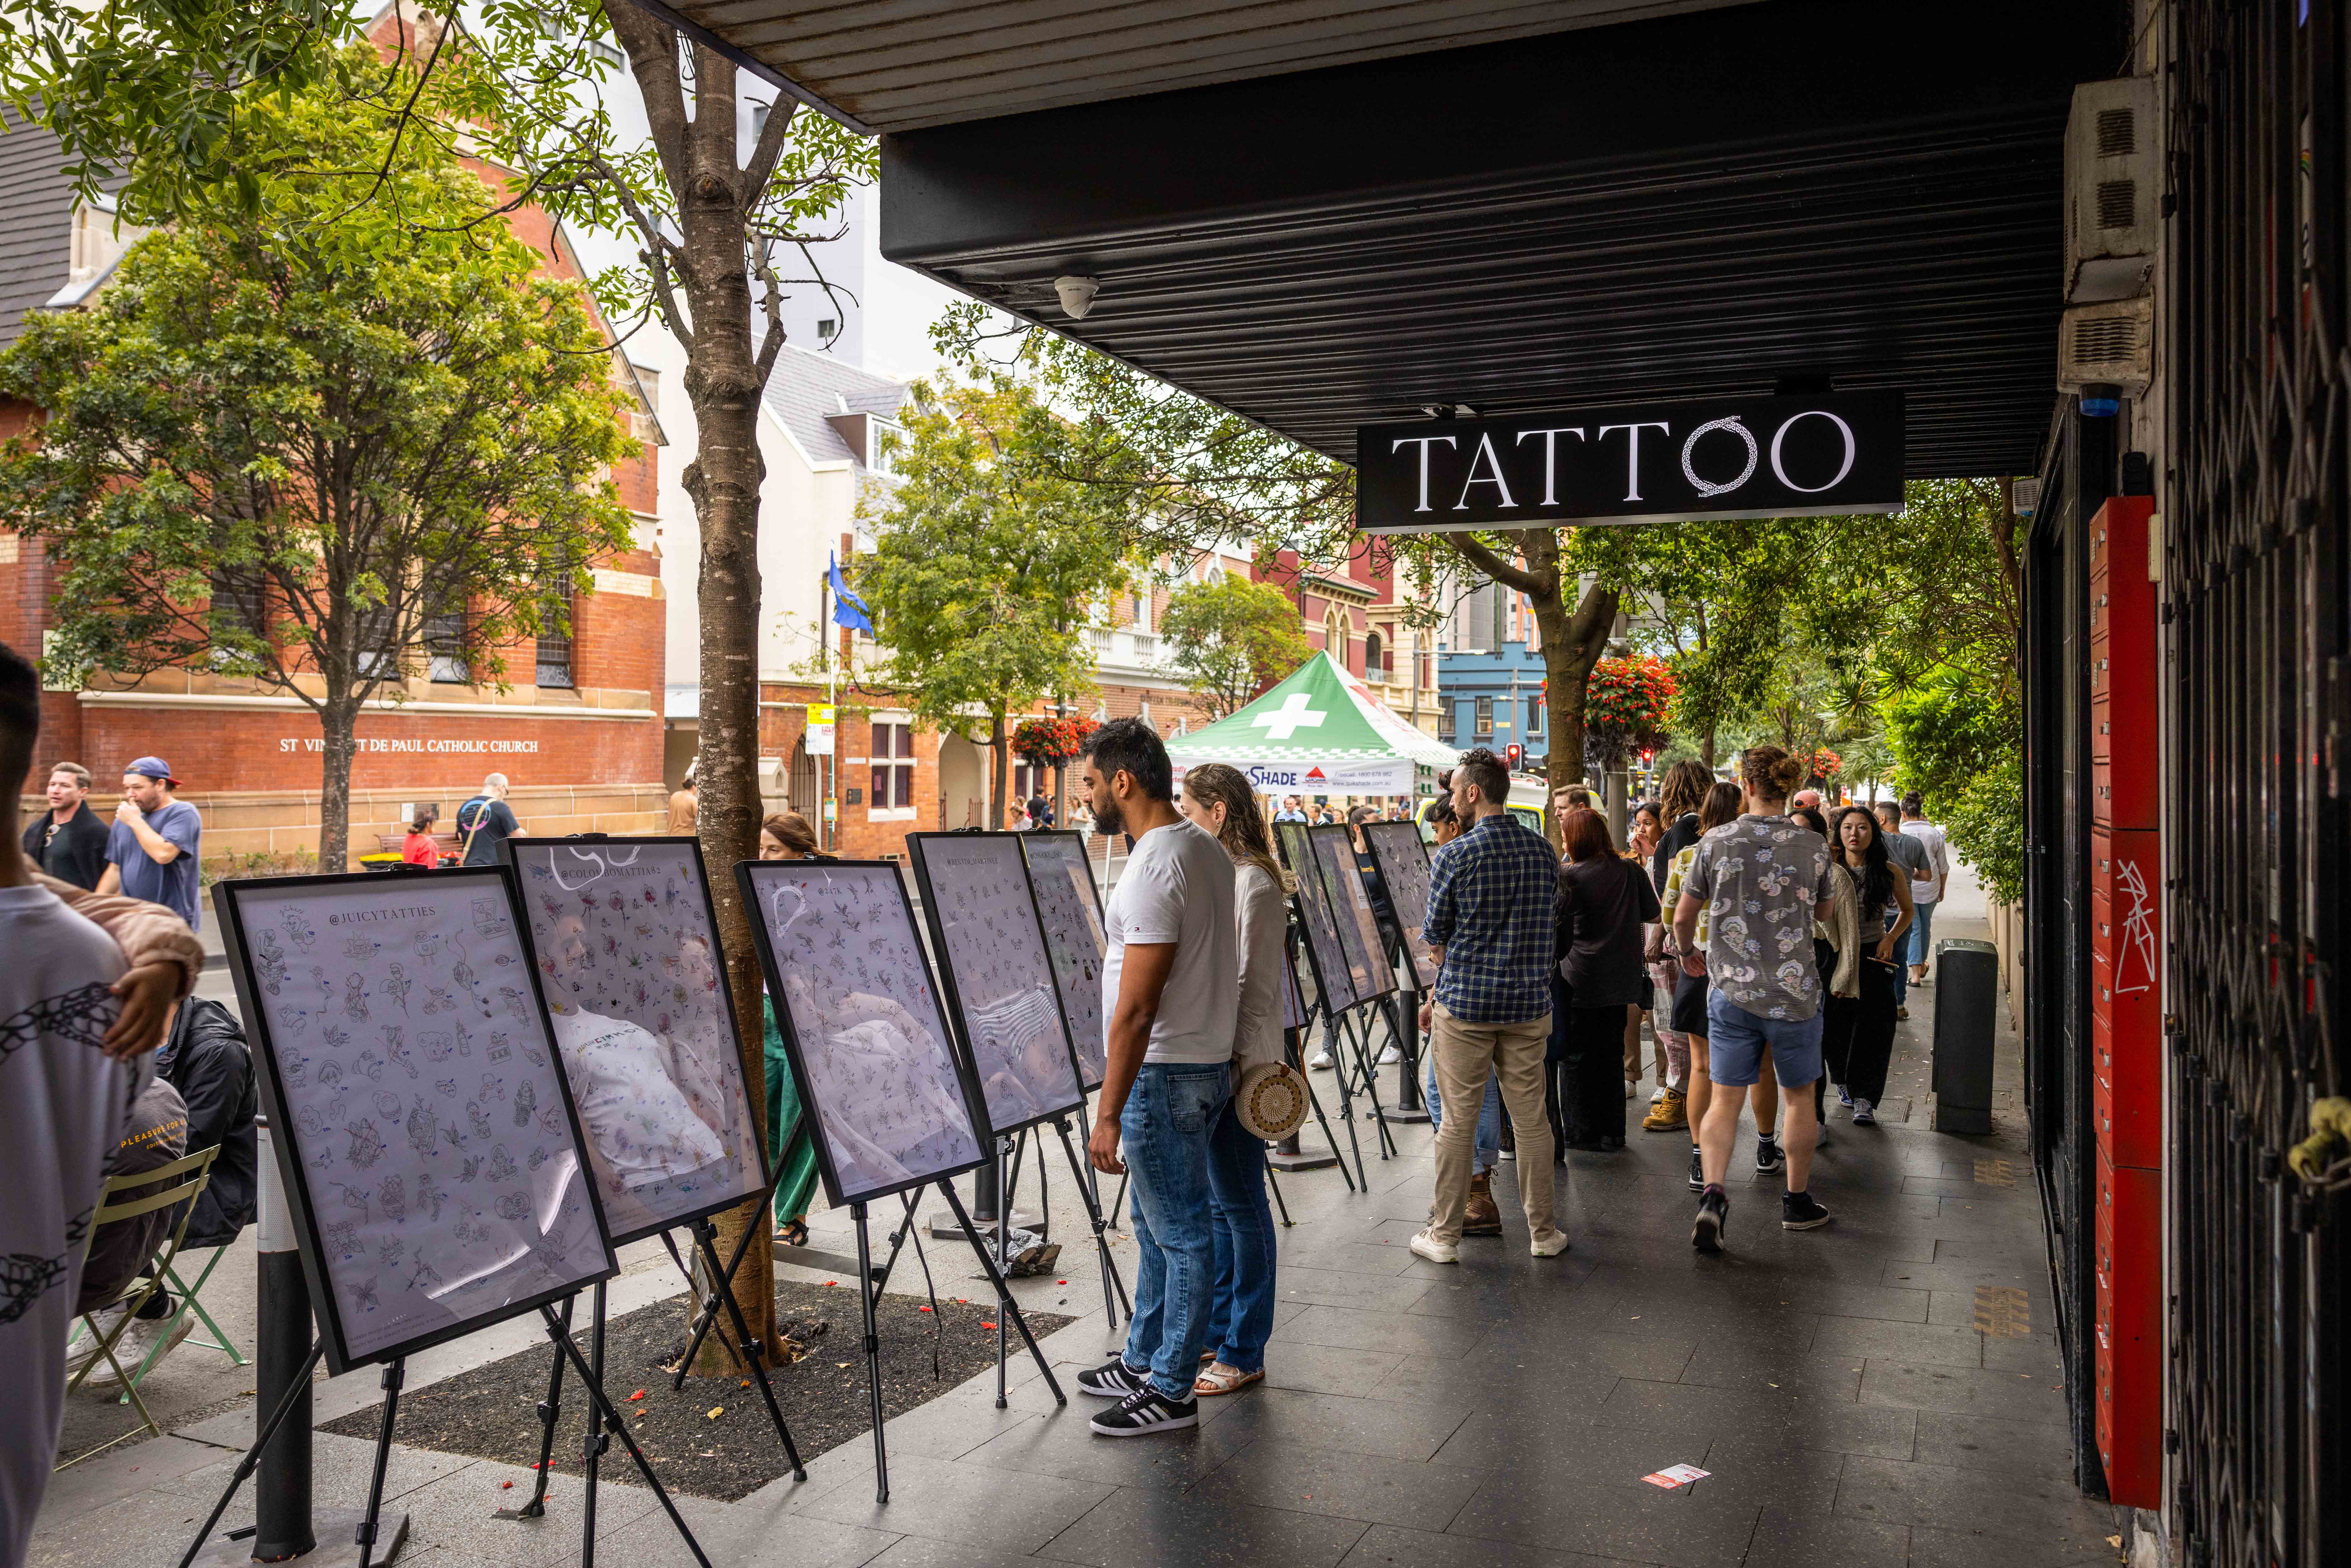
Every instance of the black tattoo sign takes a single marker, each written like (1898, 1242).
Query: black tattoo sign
(1812, 455)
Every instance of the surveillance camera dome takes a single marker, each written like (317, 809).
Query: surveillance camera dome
(1076, 295)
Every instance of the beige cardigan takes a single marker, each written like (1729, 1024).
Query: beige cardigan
(147, 933)
(1841, 931)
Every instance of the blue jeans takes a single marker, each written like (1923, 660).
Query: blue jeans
(1489, 1117)
(1164, 1130)
(1736, 1039)
(1922, 936)
(1240, 1319)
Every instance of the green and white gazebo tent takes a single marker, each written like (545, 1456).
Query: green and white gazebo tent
(1321, 732)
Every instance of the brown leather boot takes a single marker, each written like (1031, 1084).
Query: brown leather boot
(1483, 1218)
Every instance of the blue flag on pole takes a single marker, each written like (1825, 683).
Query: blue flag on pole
(848, 609)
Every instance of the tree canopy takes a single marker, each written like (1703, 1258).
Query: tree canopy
(285, 439)
(989, 564)
(1232, 638)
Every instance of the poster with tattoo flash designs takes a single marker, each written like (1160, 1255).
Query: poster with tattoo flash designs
(1071, 915)
(1402, 860)
(1359, 929)
(1332, 980)
(861, 1023)
(627, 953)
(426, 1132)
(991, 955)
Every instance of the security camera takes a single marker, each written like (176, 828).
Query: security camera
(1077, 296)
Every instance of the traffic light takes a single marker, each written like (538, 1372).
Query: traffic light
(1513, 755)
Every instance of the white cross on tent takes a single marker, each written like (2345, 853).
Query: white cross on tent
(1287, 720)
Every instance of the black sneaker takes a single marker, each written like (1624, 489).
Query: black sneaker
(1114, 1380)
(1799, 1212)
(1698, 1170)
(1713, 1213)
(1145, 1411)
(1768, 1160)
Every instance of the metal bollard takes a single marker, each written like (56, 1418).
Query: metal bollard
(282, 1485)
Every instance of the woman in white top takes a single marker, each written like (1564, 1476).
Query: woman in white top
(1240, 1318)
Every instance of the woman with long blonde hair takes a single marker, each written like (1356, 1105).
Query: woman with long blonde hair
(1240, 1316)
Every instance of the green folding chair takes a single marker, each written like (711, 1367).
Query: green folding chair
(190, 1303)
(187, 1176)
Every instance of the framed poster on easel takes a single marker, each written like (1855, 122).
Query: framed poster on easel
(625, 941)
(1333, 981)
(1403, 859)
(431, 1150)
(1351, 912)
(1077, 939)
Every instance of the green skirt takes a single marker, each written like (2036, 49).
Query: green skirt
(788, 1140)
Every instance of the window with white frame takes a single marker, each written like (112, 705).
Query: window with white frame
(893, 762)
(1485, 718)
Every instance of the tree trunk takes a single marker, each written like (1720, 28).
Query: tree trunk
(723, 481)
(338, 726)
(1000, 768)
(1706, 752)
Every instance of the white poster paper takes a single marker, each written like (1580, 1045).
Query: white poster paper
(1402, 860)
(628, 959)
(417, 1076)
(976, 891)
(1358, 928)
(1074, 939)
(1332, 977)
(874, 1062)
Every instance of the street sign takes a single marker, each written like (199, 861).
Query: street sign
(820, 730)
(1817, 455)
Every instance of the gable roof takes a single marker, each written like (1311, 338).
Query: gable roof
(806, 388)
(36, 210)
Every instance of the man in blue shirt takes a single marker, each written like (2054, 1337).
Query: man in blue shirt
(152, 851)
(1490, 926)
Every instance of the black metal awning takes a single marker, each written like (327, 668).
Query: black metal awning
(1728, 199)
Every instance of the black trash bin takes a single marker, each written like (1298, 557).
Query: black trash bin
(1967, 993)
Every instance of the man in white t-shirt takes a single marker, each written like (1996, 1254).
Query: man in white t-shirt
(1171, 986)
(1924, 895)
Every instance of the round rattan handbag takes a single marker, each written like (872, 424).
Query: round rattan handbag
(1271, 1099)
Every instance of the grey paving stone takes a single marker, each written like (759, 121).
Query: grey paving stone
(2036, 1354)
(340, 1469)
(1560, 1509)
(1969, 1391)
(1325, 1287)
(914, 1551)
(737, 1536)
(970, 1504)
(1966, 1276)
(1793, 1538)
(2010, 1447)
(1345, 1486)
(2030, 1509)
(1977, 1549)
(1350, 1328)
(1064, 1445)
(1389, 1546)
(146, 1527)
(1139, 1528)
(1810, 1423)
(1856, 1338)
(1386, 1428)
(1720, 1364)
(124, 1472)
(1327, 1369)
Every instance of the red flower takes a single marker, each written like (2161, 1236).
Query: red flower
(1627, 700)
(1051, 740)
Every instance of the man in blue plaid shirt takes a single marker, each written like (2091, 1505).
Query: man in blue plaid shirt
(1489, 924)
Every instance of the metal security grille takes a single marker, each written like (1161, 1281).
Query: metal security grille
(2255, 812)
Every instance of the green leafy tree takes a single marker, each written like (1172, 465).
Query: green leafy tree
(1232, 638)
(283, 439)
(168, 94)
(987, 564)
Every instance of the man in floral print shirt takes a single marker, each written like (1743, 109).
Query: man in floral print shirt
(1761, 882)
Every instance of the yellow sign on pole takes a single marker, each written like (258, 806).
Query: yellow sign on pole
(820, 730)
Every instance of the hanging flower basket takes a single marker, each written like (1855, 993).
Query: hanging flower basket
(1826, 765)
(1625, 701)
(1054, 742)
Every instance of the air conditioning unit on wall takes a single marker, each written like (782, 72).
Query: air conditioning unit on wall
(2114, 181)
(2111, 344)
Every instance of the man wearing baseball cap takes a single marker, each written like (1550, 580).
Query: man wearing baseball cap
(151, 851)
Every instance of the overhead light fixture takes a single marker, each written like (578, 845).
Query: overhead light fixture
(1076, 295)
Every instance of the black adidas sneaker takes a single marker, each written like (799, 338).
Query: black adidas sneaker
(1113, 1380)
(1713, 1213)
(1145, 1411)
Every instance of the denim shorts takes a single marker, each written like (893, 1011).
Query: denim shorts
(1735, 1039)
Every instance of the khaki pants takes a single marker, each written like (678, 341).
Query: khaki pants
(1464, 1055)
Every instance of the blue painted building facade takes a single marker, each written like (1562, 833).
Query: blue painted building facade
(1490, 673)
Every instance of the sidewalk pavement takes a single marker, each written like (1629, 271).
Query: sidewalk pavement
(1885, 1391)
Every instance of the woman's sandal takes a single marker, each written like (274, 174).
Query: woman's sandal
(793, 1233)
(1222, 1379)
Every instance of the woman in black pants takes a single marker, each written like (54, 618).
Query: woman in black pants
(1857, 1032)
(1604, 900)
